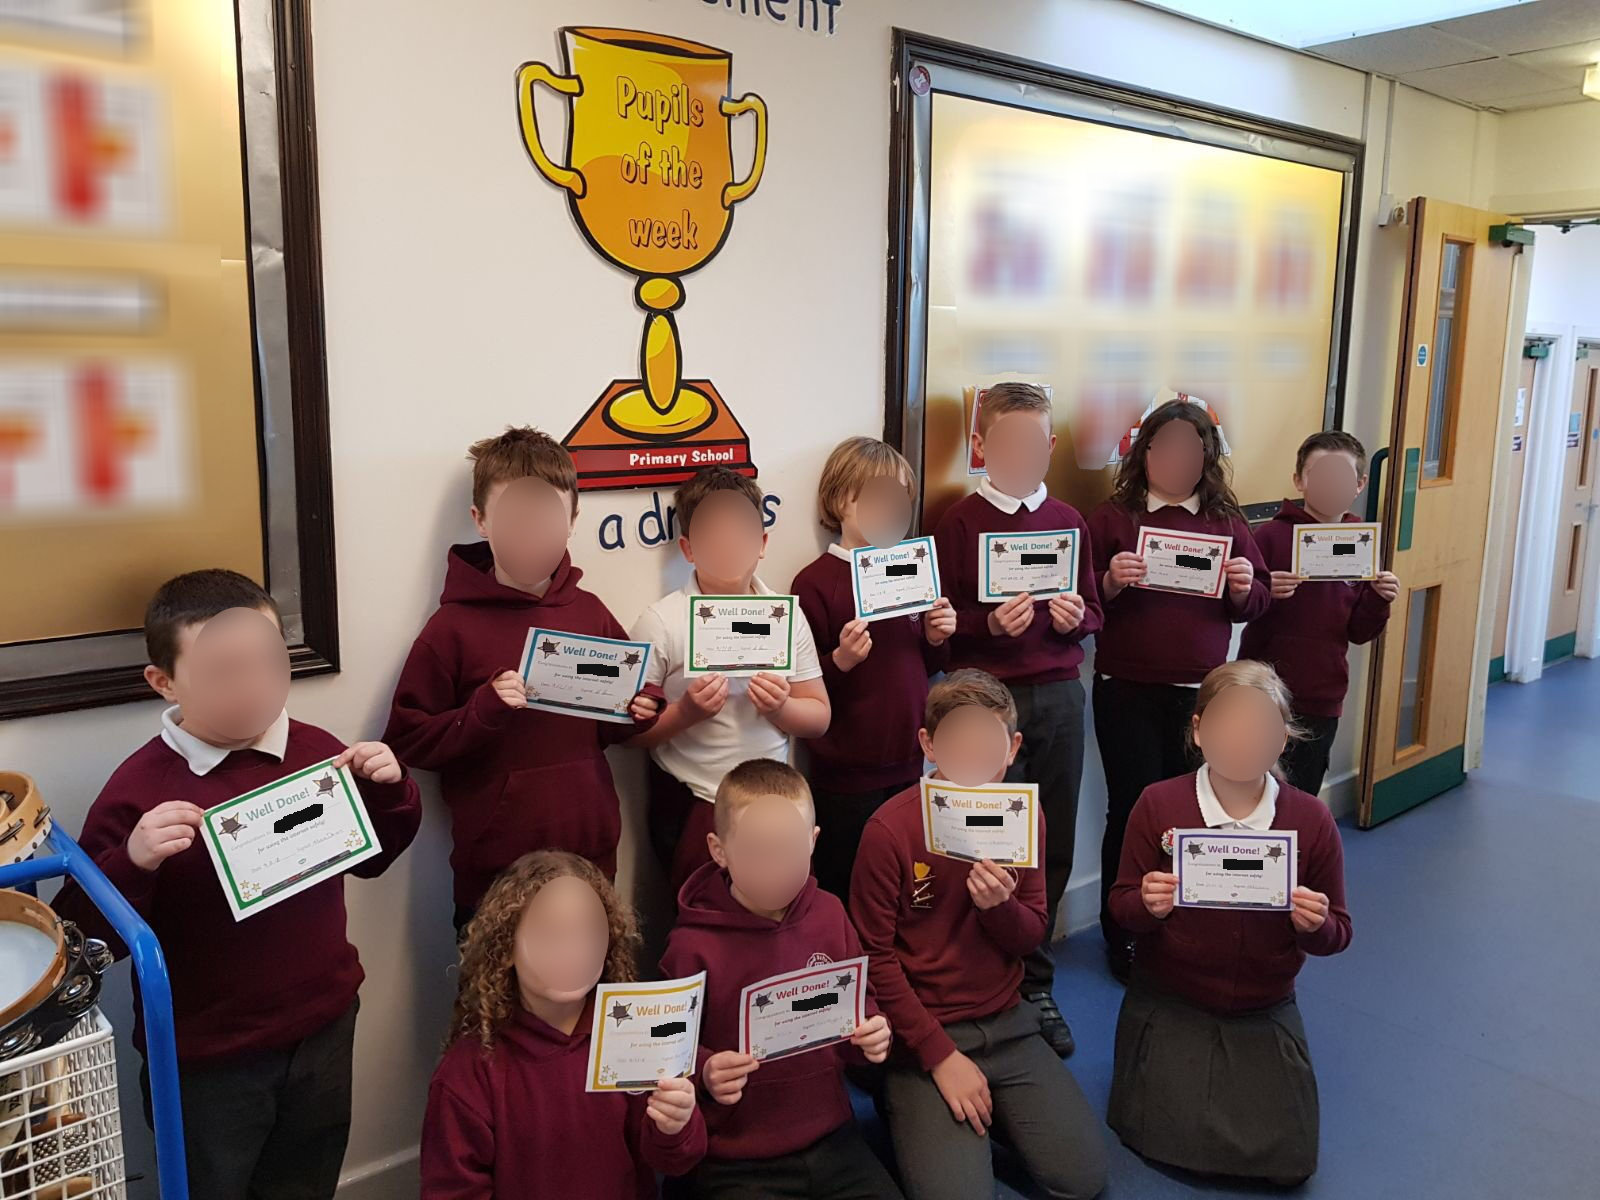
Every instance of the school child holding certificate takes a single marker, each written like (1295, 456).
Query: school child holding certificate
(946, 940)
(876, 672)
(1307, 632)
(1213, 1073)
(779, 1126)
(514, 778)
(508, 1115)
(265, 1006)
(1033, 644)
(1157, 645)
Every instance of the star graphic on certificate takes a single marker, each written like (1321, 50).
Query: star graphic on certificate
(694, 1002)
(845, 980)
(631, 659)
(232, 826)
(1364, 538)
(1195, 849)
(1310, 539)
(940, 800)
(326, 784)
(706, 612)
(762, 1000)
(1274, 852)
(619, 1012)
(1019, 805)
(1152, 544)
(997, 547)
(866, 561)
(920, 553)
(1064, 544)
(1214, 552)
(780, 611)
(549, 647)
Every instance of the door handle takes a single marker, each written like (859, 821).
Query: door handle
(1375, 483)
(1408, 497)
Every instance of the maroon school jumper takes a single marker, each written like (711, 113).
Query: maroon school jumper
(238, 987)
(515, 780)
(1039, 654)
(1306, 637)
(1166, 637)
(937, 958)
(1224, 960)
(871, 742)
(789, 1103)
(514, 1123)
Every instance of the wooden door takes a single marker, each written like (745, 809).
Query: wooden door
(1573, 525)
(1508, 529)
(1436, 514)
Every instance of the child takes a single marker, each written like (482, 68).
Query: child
(782, 1128)
(1212, 1069)
(265, 1008)
(876, 674)
(1307, 632)
(508, 1117)
(515, 778)
(1156, 647)
(1034, 646)
(713, 723)
(947, 941)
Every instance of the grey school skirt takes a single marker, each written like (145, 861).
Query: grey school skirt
(1223, 1095)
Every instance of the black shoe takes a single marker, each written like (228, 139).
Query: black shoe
(1052, 1026)
(1119, 957)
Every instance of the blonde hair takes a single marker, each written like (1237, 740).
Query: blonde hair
(1247, 672)
(487, 995)
(753, 779)
(969, 687)
(1005, 398)
(853, 462)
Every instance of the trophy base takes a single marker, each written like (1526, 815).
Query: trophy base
(609, 456)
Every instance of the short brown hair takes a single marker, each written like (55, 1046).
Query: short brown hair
(1335, 440)
(853, 462)
(705, 482)
(518, 453)
(970, 687)
(1005, 398)
(191, 599)
(753, 779)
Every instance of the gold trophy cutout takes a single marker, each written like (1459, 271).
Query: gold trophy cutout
(649, 179)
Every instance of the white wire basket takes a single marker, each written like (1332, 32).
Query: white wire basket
(60, 1126)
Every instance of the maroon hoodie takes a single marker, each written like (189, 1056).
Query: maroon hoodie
(514, 1123)
(515, 780)
(1307, 636)
(793, 1102)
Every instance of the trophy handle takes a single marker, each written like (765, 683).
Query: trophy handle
(568, 85)
(750, 103)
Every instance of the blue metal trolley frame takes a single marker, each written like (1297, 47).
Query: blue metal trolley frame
(60, 856)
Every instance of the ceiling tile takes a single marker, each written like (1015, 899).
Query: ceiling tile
(1480, 82)
(1400, 51)
(1561, 60)
(1540, 100)
(1531, 26)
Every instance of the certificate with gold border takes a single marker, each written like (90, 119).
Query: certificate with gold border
(994, 821)
(644, 1032)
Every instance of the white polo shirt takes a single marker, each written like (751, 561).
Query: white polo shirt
(203, 757)
(1216, 817)
(702, 754)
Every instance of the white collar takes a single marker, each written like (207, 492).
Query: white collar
(1010, 504)
(1212, 813)
(203, 757)
(1192, 504)
(757, 588)
(839, 551)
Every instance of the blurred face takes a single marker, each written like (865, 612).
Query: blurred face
(527, 523)
(1176, 459)
(1016, 451)
(1241, 734)
(767, 852)
(726, 539)
(561, 942)
(880, 514)
(231, 677)
(1329, 481)
(972, 746)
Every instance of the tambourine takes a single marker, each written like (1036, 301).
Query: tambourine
(51, 976)
(24, 818)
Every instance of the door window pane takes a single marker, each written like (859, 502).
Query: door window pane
(1416, 667)
(1444, 383)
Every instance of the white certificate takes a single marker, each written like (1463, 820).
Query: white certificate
(583, 676)
(1343, 551)
(997, 821)
(643, 1032)
(1191, 563)
(279, 840)
(896, 581)
(1041, 564)
(741, 635)
(803, 1010)
(1235, 868)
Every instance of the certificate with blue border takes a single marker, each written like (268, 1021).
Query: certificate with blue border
(894, 581)
(1236, 868)
(583, 676)
(1040, 564)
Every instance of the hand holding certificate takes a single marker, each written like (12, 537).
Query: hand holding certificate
(803, 1010)
(583, 676)
(1191, 563)
(1040, 564)
(741, 635)
(1347, 551)
(995, 821)
(894, 581)
(1236, 868)
(644, 1032)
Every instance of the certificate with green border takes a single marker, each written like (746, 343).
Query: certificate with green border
(642, 1032)
(281, 839)
(741, 635)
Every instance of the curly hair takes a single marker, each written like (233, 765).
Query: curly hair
(488, 993)
(1213, 489)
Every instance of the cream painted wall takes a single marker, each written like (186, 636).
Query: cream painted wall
(459, 298)
(1547, 160)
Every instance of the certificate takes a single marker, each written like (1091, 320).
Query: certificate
(896, 581)
(279, 840)
(1235, 868)
(583, 676)
(1343, 551)
(741, 635)
(1041, 564)
(803, 1010)
(642, 1032)
(1191, 563)
(997, 821)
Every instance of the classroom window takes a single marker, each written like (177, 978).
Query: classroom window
(1588, 429)
(1422, 616)
(1444, 379)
